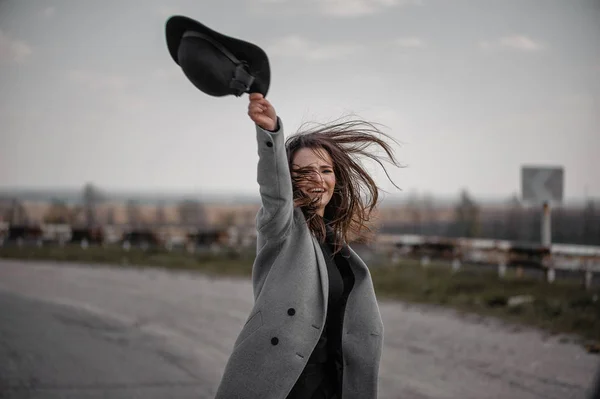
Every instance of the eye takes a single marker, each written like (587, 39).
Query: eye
(327, 171)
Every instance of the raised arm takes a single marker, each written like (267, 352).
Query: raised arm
(273, 176)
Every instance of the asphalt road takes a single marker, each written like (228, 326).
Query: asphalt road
(73, 331)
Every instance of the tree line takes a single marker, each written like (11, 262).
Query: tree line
(190, 212)
(514, 221)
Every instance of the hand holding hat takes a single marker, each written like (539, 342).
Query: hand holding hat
(262, 112)
(216, 64)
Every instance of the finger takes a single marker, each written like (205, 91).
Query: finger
(257, 104)
(259, 99)
(264, 102)
(255, 115)
(256, 108)
(255, 96)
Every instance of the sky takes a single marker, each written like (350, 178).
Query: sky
(471, 90)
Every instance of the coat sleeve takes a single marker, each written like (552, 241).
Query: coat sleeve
(275, 216)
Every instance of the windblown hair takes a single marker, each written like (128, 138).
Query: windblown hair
(355, 194)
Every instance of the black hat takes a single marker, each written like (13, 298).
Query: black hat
(217, 64)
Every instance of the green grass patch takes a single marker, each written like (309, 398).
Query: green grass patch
(229, 262)
(561, 307)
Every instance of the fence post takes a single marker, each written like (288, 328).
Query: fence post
(455, 265)
(502, 268)
(548, 262)
(551, 274)
(589, 276)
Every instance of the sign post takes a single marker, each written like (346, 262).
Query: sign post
(543, 186)
(546, 225)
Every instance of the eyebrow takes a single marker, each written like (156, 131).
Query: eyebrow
(327, 166)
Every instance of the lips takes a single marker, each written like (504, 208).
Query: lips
(316, 190)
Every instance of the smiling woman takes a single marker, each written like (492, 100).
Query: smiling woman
(330, 185)
(315, 330)
(312, 173)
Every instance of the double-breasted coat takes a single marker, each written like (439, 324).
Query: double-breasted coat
(290, 286)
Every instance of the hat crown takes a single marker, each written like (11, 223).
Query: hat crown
(203, 66)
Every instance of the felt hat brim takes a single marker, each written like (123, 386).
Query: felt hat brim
(253, 57)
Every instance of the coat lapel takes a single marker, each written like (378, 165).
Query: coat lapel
(323, 276)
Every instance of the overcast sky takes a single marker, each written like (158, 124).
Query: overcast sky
(472, 90)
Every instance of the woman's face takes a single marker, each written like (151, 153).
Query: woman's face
(320, 179)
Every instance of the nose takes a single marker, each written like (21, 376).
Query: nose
(316, 176)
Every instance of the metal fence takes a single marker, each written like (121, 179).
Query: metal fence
(576, 259)
(581, 259)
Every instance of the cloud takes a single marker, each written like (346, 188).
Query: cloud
(165, 12)
(12, 50)
(49, 12)
(166, 74)
(356, 8)
(410, 42)
(130, 102)
(515, 42)
(340, 8)
(520, 43)
(96, 80)
(118, 91)
(296, 46)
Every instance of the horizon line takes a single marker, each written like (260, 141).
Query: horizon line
(199, 193)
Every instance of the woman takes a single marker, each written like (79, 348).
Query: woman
(315, 330)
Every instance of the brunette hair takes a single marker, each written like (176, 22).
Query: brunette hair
(355, 194)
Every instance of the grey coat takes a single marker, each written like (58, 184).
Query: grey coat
(290, 283)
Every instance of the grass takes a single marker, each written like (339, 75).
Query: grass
(228, 263)
(561, 307)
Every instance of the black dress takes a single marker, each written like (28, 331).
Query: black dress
(322, 376)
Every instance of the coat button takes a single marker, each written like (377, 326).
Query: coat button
(291, 311)
(274, 340)
(269, 144)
